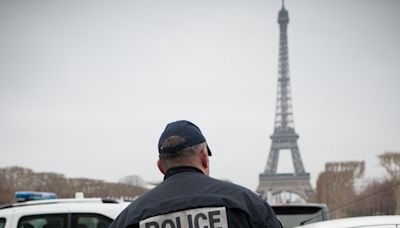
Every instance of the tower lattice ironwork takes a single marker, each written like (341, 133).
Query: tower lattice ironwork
(284, 136)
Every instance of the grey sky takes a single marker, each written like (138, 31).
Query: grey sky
(86, 87)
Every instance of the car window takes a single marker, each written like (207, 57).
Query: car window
(90, 220)
(44, 221)
(2, 222)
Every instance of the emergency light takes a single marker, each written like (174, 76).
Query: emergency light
(27, 196)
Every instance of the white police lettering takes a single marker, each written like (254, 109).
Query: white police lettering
(206, 217)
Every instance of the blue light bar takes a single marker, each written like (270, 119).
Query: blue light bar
(27, 196)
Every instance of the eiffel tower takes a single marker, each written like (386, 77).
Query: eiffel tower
(271, 183)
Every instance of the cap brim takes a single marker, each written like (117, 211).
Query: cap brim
(209, 151)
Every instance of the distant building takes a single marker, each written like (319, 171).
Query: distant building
(133, 180)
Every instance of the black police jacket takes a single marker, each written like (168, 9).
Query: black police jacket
(189, 199)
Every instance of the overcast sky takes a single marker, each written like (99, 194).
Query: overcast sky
(87, 87)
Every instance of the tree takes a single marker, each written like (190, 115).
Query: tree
(335, 186)
(13, 179)
(391, 162)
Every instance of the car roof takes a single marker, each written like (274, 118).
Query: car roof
(356, 222)
(299, 205)
(109, 208)
(59, 202)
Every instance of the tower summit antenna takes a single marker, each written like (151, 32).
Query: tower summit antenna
(283, 4)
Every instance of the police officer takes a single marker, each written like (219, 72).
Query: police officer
(188, 197)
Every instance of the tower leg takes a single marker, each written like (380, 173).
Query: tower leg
(297, 162)
(272, 163)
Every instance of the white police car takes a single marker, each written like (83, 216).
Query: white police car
(378, 221)
(61, 213)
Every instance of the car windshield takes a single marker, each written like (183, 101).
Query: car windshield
(291, 216)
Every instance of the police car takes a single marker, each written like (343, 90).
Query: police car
(60, 213)
(378, 221)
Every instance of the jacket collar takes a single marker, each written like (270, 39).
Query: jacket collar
(181, 169)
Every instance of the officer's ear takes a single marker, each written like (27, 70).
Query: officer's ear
(160, 166)
(204, 158)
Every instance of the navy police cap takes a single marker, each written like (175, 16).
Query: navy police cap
(184, 129)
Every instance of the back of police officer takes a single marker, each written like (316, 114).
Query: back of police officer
(188, 197)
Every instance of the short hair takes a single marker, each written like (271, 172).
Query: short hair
(180, 157)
